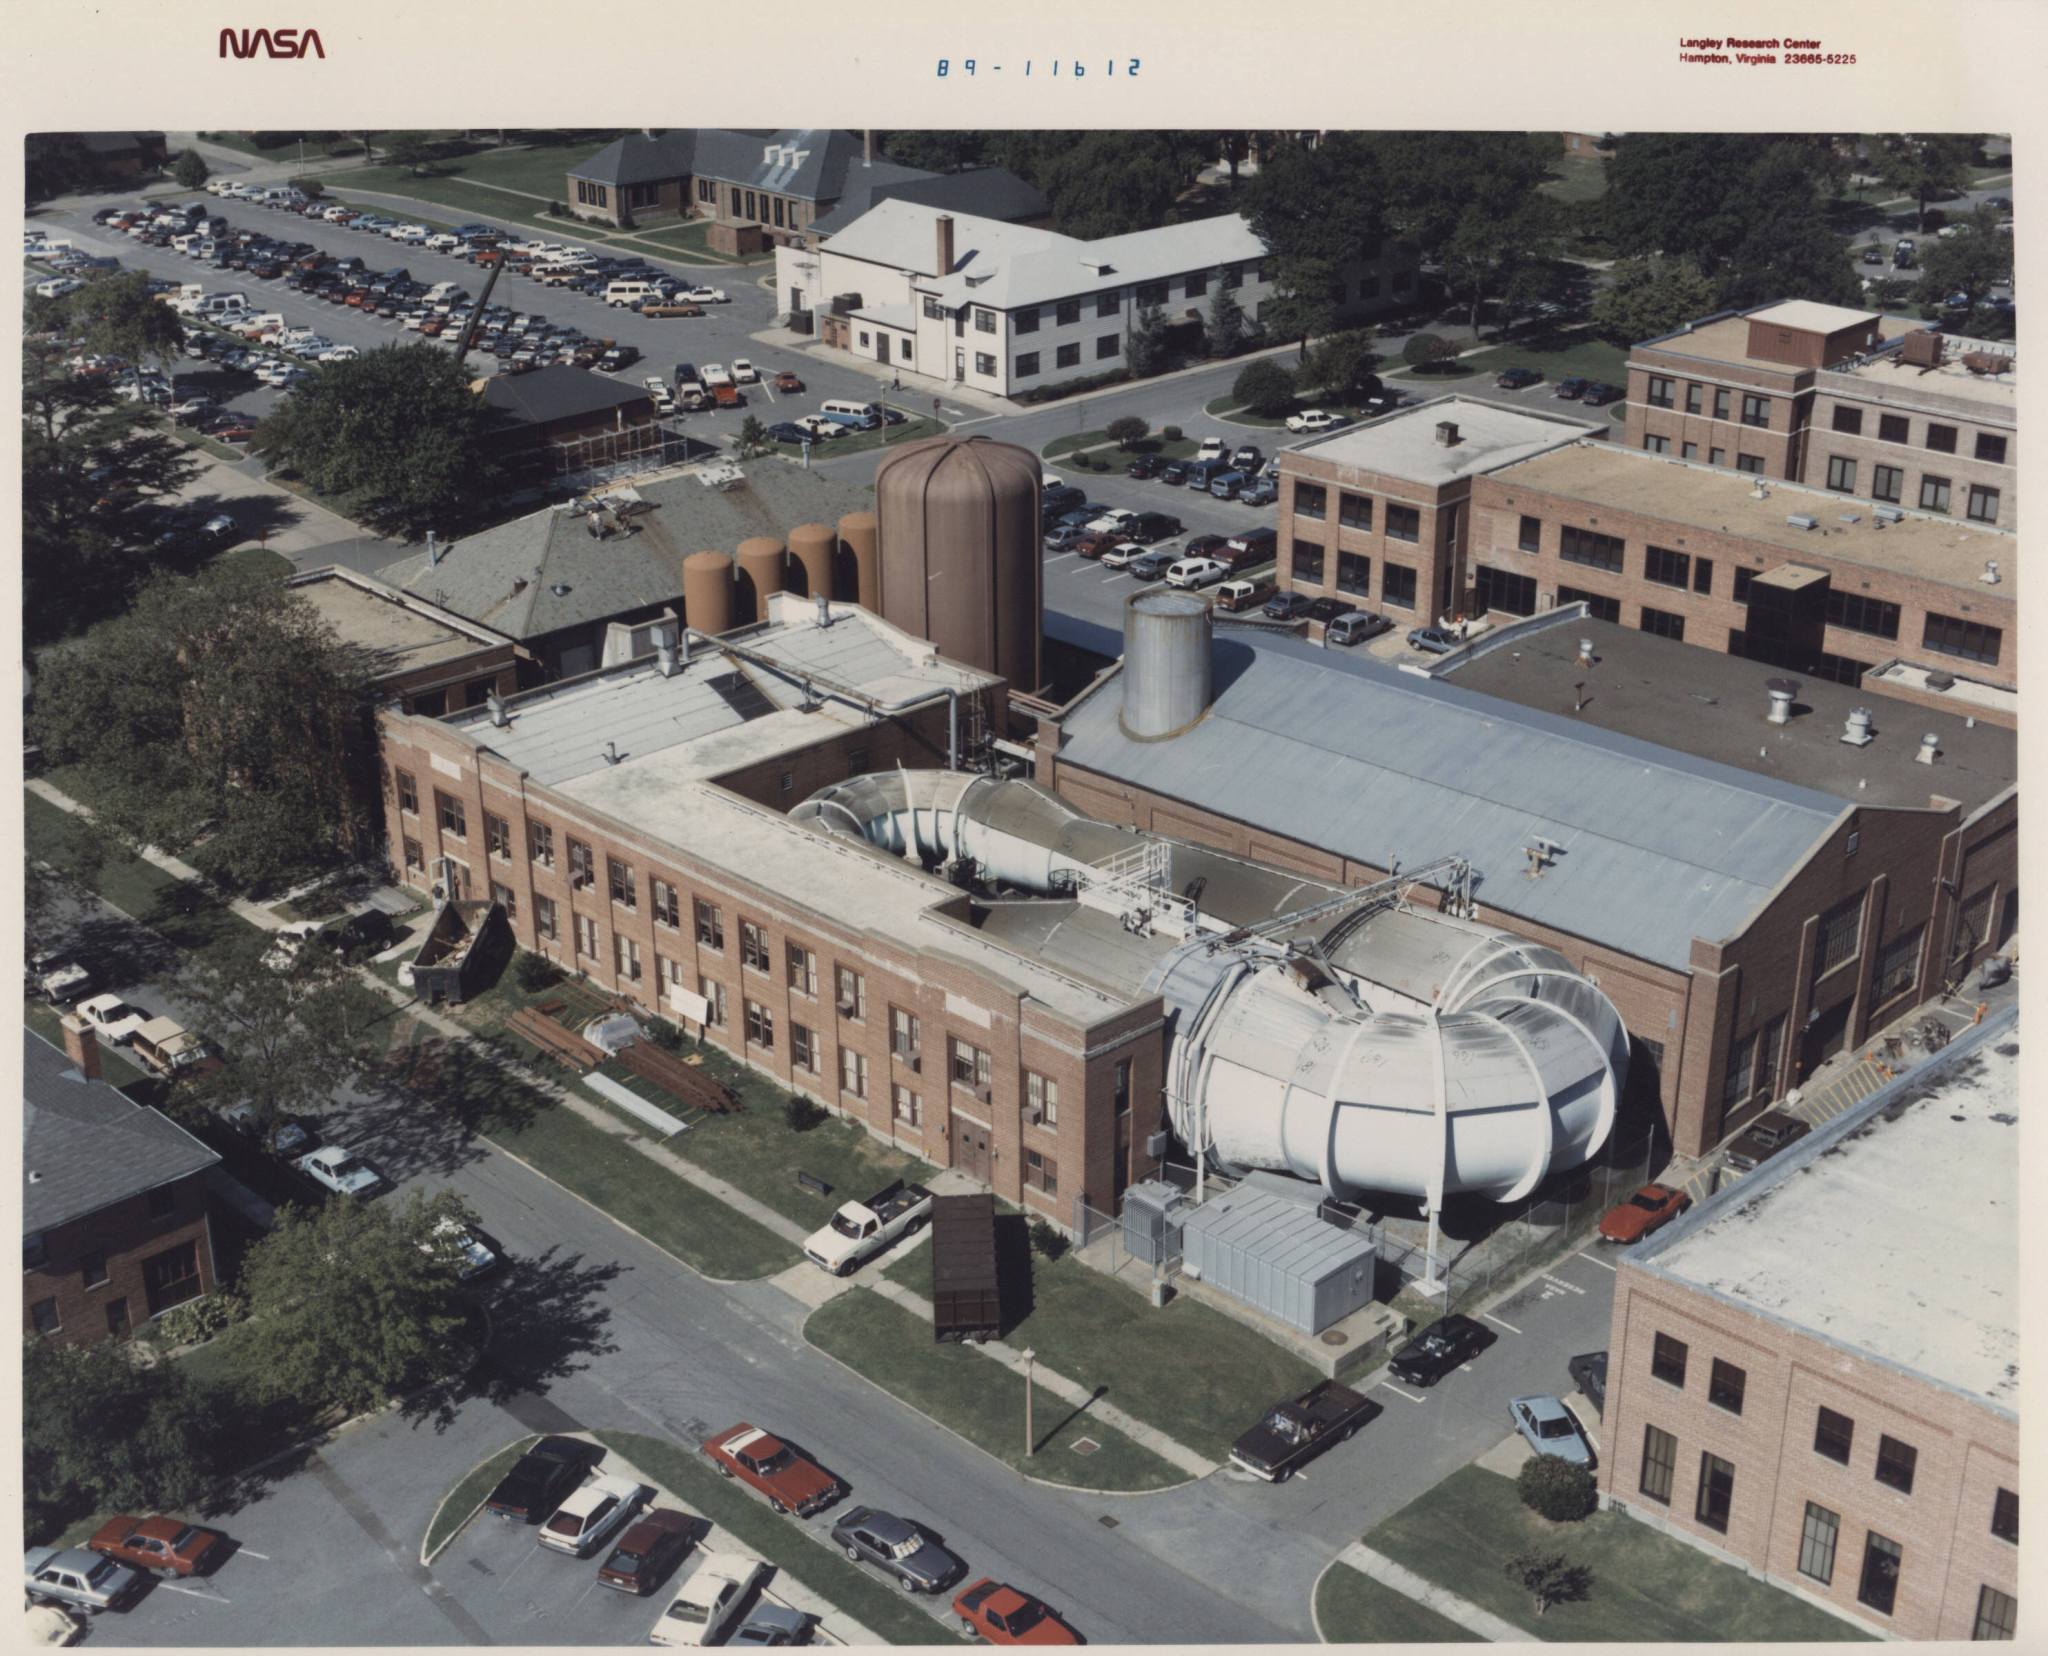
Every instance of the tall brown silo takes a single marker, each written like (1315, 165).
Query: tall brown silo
(708, 592)
(811, 546)
(762, 562)
(857, 530)
(958, 520)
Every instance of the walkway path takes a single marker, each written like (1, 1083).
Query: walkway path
(1432, 1597)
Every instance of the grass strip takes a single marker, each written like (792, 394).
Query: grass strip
(181, 912)
(883, 1610)
(459, 1505)
(1352, 1608)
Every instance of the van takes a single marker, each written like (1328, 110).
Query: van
(858, 414)
(267, 325)
(1225, 484)
(628, 294)
(1202, 473)
(186, 244)
(167, 1047)
(218, 305)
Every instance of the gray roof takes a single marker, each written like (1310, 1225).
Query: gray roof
(1658, 847)
(506, 577)
(809, 163)
(985, 192)
(560, 392)
(637, 159)
(86, 1145)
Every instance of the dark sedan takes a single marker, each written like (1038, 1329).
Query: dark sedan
(1599, 394)
(652, 1546)
(1174, 473)
(783, 431)
(1589, 1372)
(1439, 1348)
(1513, 379)
(1154, 526)
(897, 1547)
(1571, 388)
(1327, 610)
(1151, 565)
(1144, 467)
(1288, 606)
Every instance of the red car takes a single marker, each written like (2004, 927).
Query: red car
(1642, 1213)
(786, 381)
(792, 1481)
(1004, 1616)
(162, 1546)
(647, 1551)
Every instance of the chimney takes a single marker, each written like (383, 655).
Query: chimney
(944, 225)
(82, 1046)
(433, 549)
(867, 148)
(1447, 433)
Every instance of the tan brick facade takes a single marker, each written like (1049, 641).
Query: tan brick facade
(1414, 564)
(111, 1271)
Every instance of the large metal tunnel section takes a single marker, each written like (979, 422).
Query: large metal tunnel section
(1384, 1049)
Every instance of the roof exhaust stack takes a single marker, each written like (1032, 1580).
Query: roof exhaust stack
(1585, 657)
(433, 549)
(665, 656)
(1781, 692)
(1856, 730)
(824, 611)
(943, 225)
(1930, 748)
(499, 716)
(1447, 433)
(1990, 575)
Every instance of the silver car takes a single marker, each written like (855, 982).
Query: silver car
(1551, 1429)
(78, 1578)
(773, 1624)
(897, 1546)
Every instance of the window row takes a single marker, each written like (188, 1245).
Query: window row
(1028, 364)
(1308, 566)
(1939, 438)
(1888, 484)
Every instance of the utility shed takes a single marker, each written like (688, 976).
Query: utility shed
(1268, 1248)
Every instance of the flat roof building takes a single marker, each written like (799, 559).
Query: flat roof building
(427, 658)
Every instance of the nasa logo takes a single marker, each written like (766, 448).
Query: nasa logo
(277, 43)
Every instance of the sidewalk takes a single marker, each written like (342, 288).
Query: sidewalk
(1410, 1585)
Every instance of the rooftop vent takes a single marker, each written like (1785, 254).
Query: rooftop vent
(1541, 853)
(1888, 514)
(1941, 681)
(1585, 656)
(1930, 748)
(433, 549)
(1799, 520)
(560, 589)
(1760, 492)
(499, 716)
(1856, 728)
(824, 610)
(1781, 691)
(665, 657)
(1990, 575)
(1447, 433)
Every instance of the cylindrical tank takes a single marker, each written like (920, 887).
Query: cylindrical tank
(811, 546)
(1166, 663)
(862, 539)
(762, 562)
(961, 565)
(707, 591)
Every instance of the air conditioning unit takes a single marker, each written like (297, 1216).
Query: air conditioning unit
(847, 1009)
(1799, 520)
(916, 1062)
(1888, 514)
(1156, 1143)
(1035, 1117)
(983, 1092)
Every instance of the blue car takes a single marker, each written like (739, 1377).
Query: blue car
(1227, 484)
(783, 431)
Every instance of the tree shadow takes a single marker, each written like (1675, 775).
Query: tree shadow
(545, 1321)
(427, 1107)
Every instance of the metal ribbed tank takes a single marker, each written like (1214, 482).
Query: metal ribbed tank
(862, 539)
(763, 564)
(961, 564)
(708, 591)
(1166, 663)
(811, 546)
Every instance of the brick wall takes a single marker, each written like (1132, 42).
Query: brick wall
(128, 1234)
(1436, 556)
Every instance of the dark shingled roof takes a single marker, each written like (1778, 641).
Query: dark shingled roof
(559, 392)
(86, 1145)
(810, 164)
(984, 192)
(118, 143)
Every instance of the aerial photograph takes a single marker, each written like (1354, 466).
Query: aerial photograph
(1036, 887)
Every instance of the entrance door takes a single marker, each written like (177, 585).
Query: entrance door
(882, 349)
(959, 364)
(970, 1148)
(1825, 1036)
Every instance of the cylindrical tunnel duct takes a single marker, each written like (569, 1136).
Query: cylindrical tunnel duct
(860, 532)
(708, 592)
(811, 546)
(762, 564)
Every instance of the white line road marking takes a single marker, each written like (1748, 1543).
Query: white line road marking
(244, 1552)
(1388, 1385)
(1510, 1327)
(1595, 1259)
(1569, 1287)
(190, 1592)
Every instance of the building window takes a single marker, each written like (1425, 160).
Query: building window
(984, 363)
(1024, 321)
(1198, 284)
(1848, 420)
(906, 1037)
(1895, 1463)
(586, 936)
(1499, 589)
(968, 1065)
(498, 835)
(752, 210)
(1041, 1172)
(408, 793)
(1840, 930)
(1998, 1615)
(778, 209)
(803, 968)
(540, 844)
(1717, 1492)
(1107, 345)
(850, 991)
(582, 866)
(1857, 613)
(984, 320)
(1027, 366)
(1151, 293)
(1893, 428)
(1817, 1543)
(1990, 448)
(1983, 506)
(544, 924)
(1667, 1361)
(1067, 356)
(1660, 1461)
(1756, 411)
(1941, 438)
(668, 908)
(2005, 1516)
(1725, 1384)
(905, 1106)
(1879, 1585)
(117, 1318)
(1887, 483)
(1693, 390)
(1832, 1435)
(714, 1001)
(1717, 457)
(1752, 464)
(853, 1072)
(1666, 568)
(1898, 966)
(415, 858)
(625, 891)
(1598, 607)
(1664, 624)
(1656, 445)
(1720, 402)
(1353, 511)
(760, 1026)
(803, 1048)
(93, 1268)
(1354, 573)
(1658, 394)
(1404, 523)
(1703, 575)
(172, 1277)
(1312, 500)
(1768, 1046)
(1971, 640)
(43, 1314)
(1067, 311)
(1842, 474)
(1042, 1109)
(626, 956)
(1397, 585)
(710, 924)
(933, 309)
(454, 820)
(1307, 562)
(754, 944)
(1586, 546)
(1933, 494)
(503, 896)
(1529, 538)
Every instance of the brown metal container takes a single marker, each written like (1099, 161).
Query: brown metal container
(763, 564)
(708, 591)
(860, 535)
(811, 546)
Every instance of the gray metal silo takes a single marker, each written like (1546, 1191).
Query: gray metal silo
(1166, 663)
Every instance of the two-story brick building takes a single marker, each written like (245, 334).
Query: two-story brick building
(1815, 1375)
(114, 1215)
(426, 658)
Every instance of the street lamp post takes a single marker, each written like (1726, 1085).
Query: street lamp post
(1029, 1440)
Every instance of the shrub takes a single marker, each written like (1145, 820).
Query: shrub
(557, 210)
(1555, 1489)
(197, 1320)
(1549, 1578)
(1171, 434)
(1127, 429)
(309, 187)
(535, 973)
(801, 1114)
(1265, 387)
(1047, 1239)
(1425, 348)
(667, 1036)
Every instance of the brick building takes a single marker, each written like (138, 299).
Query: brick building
(114, 1218)
(1815, 1374)
(547, 421)
(423, 657)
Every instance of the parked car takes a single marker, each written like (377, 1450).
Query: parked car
(898, 1548)
(288, 1136)
(1174, 473)
(339, 1170)
(1236, 596)
(1873, 255)
(860, 1230)
(1287, 606)
(653, 1544)
(788, 431)
(1327, 610)
(469, 1254)
(618, 356)
(788, 382)
(1599, 394)
(1315, 419)
(771, 1624)
(79, 1579)
(1439, 1348)
(1513, 379)
(539, 1479)
(1764, 1138)
(1194, 573)
(1004, 1616)
(1153, 526)
(1589, 1371)
(1571, 388)
(1151, 565)
(704, 295)
(744, 372)
(706, 1604)
(56, 978)
(1294, 1432)
(1145, 467)
(590, 1514)
(162, 1546)
(1356, 627)
(1260, 491)
(1248, 458)
(791, 1480)
(820, 429)
(1065, 537)
(1113, 520)
(1213, 448)
(1224, 485)
(112, 1019)
(1548, 1428)
(1642, 1213)
(1253, 546)
(1116, 554)
(1434, 640)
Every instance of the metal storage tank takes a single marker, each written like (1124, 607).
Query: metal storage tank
(762, 568)
(861, 537)
(811, 546)
(1263, 1244)
(961, 564)
(1166, 663)
(707, 591)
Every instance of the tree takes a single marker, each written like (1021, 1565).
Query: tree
(1127, 429)
(191, 169)
(411, 150)
(101, 1432)
(1928, 166)
(1226, 326)
(941, 152)
(1971, 262)
(56, 163)
(354, 1301)
(1648, 298)
(397, 434)
(1145, 348)
(1318, 211)
(1549, 1578)
(1556, 1489)
(1698, 194)
(1301, 307)
(219, 705)
(1425, 348)
(119, 316)
(1342, 363)
(1265, 387)
(1111, 183)
(1790, 254)
(753, 436)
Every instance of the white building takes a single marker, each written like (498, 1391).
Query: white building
(1006, 308)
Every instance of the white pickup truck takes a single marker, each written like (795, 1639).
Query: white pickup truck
(860, 1230)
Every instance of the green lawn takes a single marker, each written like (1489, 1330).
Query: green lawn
(981, 1399)
(541, 171)
(463, 1500)
(757, 1151)
(1577, 178)
(1180, 449)
(1646, 1587)
(1558, 357)
(895, 436)
(1101, 1333)
(690, 241)
(882, 1609)
(47, 1022)
(1352, 1608)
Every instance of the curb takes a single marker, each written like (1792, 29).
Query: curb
(427, 1558)
(1315, 1592)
